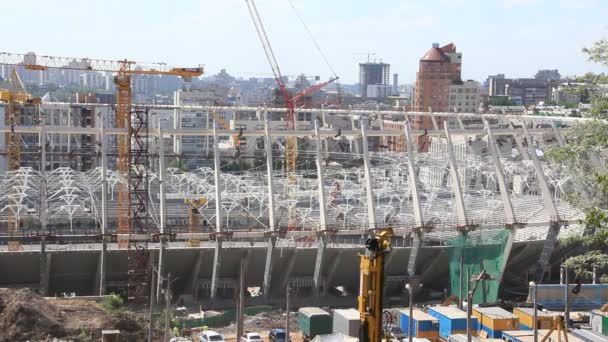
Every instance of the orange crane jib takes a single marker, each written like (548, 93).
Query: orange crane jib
(123, 70)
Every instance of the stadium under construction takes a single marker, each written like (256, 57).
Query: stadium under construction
(481, 187)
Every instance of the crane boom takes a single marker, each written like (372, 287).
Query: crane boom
(272, 60)
(35, 62)
(313, 89)
(291, 143)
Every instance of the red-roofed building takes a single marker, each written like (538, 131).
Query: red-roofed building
(439, 68)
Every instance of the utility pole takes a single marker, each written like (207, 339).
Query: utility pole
(287, 336)
(167, 306)
(241, 300)
(566, 298)
(461, 290)
(594, 273)
(535, 314)
(410, 324)
(151, 309)
(482, 276)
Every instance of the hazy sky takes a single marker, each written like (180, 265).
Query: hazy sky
(515, 37)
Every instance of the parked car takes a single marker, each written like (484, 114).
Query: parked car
(276, 335)
(180, 339)
(251, 337)
(396, 333)
(210, 336)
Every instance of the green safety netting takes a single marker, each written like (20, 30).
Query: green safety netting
(481, 250)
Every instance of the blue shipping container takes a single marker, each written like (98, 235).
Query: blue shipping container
(423, 322)
(451, 320)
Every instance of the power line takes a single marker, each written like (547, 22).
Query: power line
(312, 38)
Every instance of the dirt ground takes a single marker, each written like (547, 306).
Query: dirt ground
(24, 315)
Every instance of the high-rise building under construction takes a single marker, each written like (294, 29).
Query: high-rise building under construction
(374, 79)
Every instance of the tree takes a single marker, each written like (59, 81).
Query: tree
(587, 142)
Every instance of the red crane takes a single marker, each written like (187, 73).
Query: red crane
(290, 101)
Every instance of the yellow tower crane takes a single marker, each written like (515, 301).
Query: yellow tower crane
(123, 69)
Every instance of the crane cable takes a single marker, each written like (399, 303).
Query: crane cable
(312, 38)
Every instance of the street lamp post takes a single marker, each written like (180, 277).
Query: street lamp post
(410, 324)
(482, 276)
(411, 287)
(535, 314)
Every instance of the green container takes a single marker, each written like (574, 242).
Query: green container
(314, 321)
(605, 326)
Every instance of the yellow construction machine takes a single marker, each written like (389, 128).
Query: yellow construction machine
(372, 284)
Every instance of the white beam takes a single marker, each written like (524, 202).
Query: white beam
(270, 174)
(320, 186)
(371, 212)
(161, 180)
(197, 132)
(271, 207)
(347, 112)
(540, 175)
(455, 179)
(218, 214)
(498, 170)
(506, 201)
(218, 181)
(555, 224)
(417, 235)
(317, 275)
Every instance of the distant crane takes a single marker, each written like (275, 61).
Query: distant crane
(291, 148)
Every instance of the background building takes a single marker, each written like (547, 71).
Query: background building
(374, 76)
(439, 69)
(548, 75)
(464, 97)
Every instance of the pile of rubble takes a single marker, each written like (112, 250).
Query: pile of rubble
(24, 315)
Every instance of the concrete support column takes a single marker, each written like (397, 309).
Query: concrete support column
(43, 185)
(353, 127)
(521, 148)
(455, 178)
(418, 234)
(434, 121)
(324, 124)
(506, 200)
(555, 226)
(45, 269)
(162, 219)
(102, 267)
(460, 123)
(328, 281)
(193, 283)
(288, 269)
(177, 124)
(371, 211)
(104, 210)
(271, 210)
(321, 242)
(218, 215)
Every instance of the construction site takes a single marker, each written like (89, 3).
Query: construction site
(295, 205)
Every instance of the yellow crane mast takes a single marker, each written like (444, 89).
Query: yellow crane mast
(372, 284)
